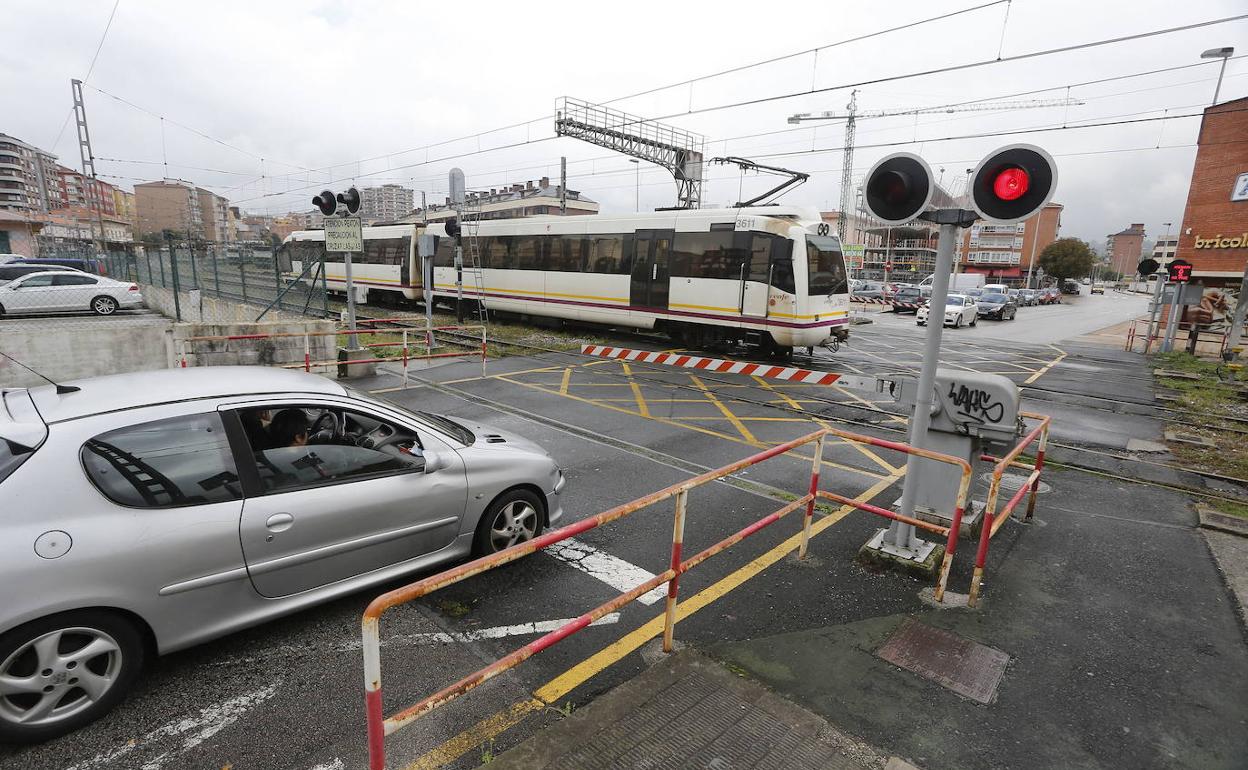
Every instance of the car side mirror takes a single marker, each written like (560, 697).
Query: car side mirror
(434, 461)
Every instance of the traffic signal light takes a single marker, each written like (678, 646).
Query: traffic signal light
(1013, 183)
(1147, 266)
(452, 228)
(325, 202)
(898, 188)
(350, 199)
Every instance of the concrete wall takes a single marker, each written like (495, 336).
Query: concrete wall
(272, 351)
(66, 349)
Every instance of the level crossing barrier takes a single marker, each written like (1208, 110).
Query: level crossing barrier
(187, 356)
(380, 726)
(994, 519)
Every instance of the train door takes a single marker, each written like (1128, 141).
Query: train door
(651, 253)
(755, 275)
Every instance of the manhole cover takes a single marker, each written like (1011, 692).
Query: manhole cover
(968, 668)
(1012, 482)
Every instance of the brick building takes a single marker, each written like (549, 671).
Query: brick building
(1214, 234)
(1005, 253)
(174, 204)
(1124, 248)
(78, 191)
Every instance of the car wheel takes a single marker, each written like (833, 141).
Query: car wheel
(957, 322)
(64, 671)
(920, 323)
(513, 518)
(974, 319)
(103, 305)
(1, 309)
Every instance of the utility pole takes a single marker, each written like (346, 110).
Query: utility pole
(563, 185)
(88, 166)
(637, 185)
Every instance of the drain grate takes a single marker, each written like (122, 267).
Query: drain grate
(966, 667)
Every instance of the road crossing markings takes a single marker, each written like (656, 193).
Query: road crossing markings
(641, 402)
(1047, 367)
(732, 418)
(621, 575)
(555, 689)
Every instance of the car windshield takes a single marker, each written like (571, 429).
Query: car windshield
(452, 428)
(994, 297)
(827, 267)
(956, 300)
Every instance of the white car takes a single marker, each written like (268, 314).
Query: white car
(60, 291)
(959, 309)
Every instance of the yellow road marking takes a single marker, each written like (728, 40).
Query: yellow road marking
(1046, 367)
(866, 450)
(577, 675)
(783, 396)
(642, 409)
(869, 404)
(567, 377)
(736, 422)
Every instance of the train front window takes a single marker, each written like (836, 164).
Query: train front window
(826, 266)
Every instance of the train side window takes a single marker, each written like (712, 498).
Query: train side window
(526, 252)
(445, 255)
(706, 255)
(565, 254)
(501, 253)
(782, 265)
(606, 252)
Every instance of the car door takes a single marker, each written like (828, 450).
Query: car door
(33, 293)
(76, 290)
(324, 512)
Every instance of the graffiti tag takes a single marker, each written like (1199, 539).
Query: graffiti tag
(976, 404)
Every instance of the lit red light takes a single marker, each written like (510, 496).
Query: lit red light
(1011, 184)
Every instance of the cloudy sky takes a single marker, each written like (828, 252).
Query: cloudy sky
(268, 102)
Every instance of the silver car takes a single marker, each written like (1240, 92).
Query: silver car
(152, 511)
(62, 290)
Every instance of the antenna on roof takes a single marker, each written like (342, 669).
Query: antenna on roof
(60, 389)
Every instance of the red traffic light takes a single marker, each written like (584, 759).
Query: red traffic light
(1011, 184)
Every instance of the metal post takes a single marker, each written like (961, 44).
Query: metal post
(307, 353)
(346, 261)
(216, 272)
(1154, 312)
(673, 585)
(173, 265)
(459, 282)
(324, 288)
(1172, 324)
(563, 186)
(242, 272)
(160, 260)
(426, 268)
(277, 281)
(405, 358)
(902, 535)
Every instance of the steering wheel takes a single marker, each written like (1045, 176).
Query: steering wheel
(334, 430)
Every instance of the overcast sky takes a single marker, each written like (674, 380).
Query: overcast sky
(335, 93)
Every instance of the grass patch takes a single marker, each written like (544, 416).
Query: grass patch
(452, 608)
(1204, 405)
(1229, 508)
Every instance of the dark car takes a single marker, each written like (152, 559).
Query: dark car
(996, 305)
(85, 264)
(11, 271)
(907, 299)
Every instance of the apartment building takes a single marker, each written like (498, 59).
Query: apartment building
(518, 200)
(387, 203)
(1124, 249)
(28, 178)
(171, 204)
(1006, 253)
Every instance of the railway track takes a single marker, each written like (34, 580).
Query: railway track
(880, 414)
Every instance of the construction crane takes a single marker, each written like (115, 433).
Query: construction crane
(851, 115)
(795, 178)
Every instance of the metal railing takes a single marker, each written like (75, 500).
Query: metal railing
(993, 519)
(380, 726)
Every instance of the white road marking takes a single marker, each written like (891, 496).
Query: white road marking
(337, 764)
(211, 720)
(406, 640)
(615, 572)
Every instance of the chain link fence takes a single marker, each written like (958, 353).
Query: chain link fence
(212, 282)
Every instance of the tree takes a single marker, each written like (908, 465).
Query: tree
(1067, 258)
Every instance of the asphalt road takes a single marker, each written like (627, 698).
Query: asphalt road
(289, 694)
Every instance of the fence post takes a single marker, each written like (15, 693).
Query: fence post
(160, 260)
(307, 353)
(1031, 500)
(177, 289)
(324, 288)
(405, 358)
(985, 533)
(216, 272)
(810, 506)
(194, 268)
(242, 273)
(277, 281)
(673, 585)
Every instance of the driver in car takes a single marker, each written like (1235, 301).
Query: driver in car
(289, 428)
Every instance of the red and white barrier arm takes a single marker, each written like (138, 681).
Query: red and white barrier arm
(723, 366)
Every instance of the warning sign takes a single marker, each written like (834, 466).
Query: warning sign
(344, 234)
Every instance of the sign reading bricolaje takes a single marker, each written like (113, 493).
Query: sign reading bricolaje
(1220, 242)
(343, 234)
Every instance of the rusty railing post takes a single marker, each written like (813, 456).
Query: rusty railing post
(483, 350)
(810, 506)
(955, 528)
(673, 585)
(371, 644)
(307, 353)
(405, 358)
(985, 533)
(1031, 500)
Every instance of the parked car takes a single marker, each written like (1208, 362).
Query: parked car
(1097, 288)
(9, 257)
(908, 295)
(1029, 297)
(1017, 296)
(85, 264)
(1000, 288)
(157, 510)
(997, 305)
(17, 269)
(959, 309)
(872, 290)
(61, 291)
(1055, 295)
(1070, 286)
(975, 292)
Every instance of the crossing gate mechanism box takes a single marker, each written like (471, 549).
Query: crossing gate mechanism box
(970, 411)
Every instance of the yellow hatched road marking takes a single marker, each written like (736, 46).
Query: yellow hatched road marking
(569, 680)
(785, 397)
(732, 418)
(567, 378)
(642, 409)
(1047, 367)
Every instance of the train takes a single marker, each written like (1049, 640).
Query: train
(771, 277)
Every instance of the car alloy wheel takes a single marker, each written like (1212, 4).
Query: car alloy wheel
(61, 672)
(104, 305)
(515, 517)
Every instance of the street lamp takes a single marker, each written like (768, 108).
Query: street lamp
(1223, 53)
(637, 186)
